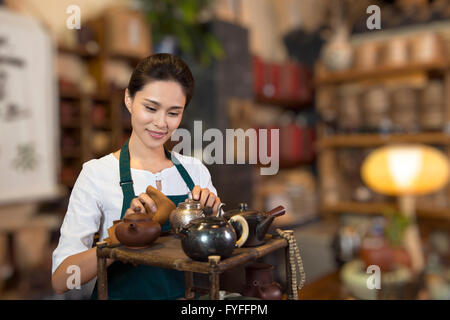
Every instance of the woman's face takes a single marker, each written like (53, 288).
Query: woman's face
(156, 111)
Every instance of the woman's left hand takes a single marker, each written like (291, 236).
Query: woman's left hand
(206, 198)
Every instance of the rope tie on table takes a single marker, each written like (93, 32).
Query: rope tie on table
(295, 262)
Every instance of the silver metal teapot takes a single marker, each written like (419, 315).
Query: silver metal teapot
(185, 212)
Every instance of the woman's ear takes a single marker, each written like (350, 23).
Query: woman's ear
(128, 100)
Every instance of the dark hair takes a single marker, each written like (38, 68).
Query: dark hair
(162, 66)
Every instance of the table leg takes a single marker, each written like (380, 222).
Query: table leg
(189, 281)
(214, 286)
(213, 278)
(102, 281)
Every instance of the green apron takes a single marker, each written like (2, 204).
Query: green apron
(128, 282)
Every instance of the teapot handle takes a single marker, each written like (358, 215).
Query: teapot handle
(244, 225)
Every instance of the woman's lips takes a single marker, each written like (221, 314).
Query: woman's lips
(156, 134)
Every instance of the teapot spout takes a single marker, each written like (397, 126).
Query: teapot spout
(263, 227)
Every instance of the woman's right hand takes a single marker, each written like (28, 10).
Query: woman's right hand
(142, 203)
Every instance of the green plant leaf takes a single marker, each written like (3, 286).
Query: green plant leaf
(180, 18)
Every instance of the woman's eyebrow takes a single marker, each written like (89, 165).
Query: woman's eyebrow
(158, 104)
(153, 101)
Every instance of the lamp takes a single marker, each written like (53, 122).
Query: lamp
(407, 171)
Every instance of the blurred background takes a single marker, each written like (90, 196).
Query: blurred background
(339, 81)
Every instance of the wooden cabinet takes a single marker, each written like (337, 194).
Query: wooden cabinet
(91, 125)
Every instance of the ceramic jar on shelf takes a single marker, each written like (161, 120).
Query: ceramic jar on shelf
(337, 53)
(395, 52)
(367, 55)
(326, 103)
(426, 47)
(431, 109)
(349, 110)
(404, 109)
(376, 106)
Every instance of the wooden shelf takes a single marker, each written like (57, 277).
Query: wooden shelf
(329, 77)
(370, 140)
(287, 103)
(74, 124)
(289, 164)
(379, 207)
(70, 94)
(102, 126)
(74, 94)
(73, 154)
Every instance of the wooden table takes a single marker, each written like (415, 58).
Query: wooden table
(328, 287)
(166, 252)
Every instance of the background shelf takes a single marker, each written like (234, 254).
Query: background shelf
(377, 208)
(370, 140)
(327, 78)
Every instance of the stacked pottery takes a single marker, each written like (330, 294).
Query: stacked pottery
(349, 162)
(376, 106)
(395, 52)
(331, 183)
(259, 282)
(349, 114)
(404, 109)
(431, 113)
(426, 48)
(367, 55)
(326, 100)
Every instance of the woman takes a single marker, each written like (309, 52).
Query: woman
(159, 90)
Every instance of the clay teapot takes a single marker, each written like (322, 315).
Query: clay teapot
(137, 230)
(259, 282)
(258, 222)
(185, 212)
(210, 235)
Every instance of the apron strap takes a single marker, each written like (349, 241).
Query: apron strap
(183, 172)
(126, 183)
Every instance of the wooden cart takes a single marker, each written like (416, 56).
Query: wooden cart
(166, 252)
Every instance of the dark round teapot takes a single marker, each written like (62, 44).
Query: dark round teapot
(209, 235)
(137, 230)
(258, 222)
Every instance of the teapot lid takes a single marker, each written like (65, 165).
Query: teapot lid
(209, 221)
(243, 211)
(138, 217)
(190, 203)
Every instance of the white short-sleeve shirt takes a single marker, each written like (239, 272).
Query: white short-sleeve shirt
(96, 199)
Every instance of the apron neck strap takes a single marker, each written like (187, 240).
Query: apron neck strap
(181, 169)
(126, 183)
